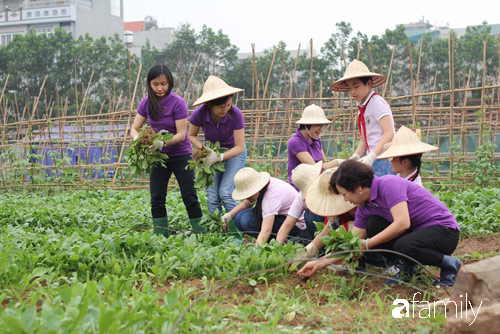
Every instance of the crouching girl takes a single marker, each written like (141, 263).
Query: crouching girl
(265, 204)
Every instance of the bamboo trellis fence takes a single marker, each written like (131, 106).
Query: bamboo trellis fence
(87, 150)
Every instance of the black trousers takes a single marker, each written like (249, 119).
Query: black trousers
(427, 245)
(158, 182)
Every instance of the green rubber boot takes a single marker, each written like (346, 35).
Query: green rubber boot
(162, 224)
(233, 231)
(197, 228)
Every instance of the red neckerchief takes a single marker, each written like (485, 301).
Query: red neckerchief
(344, 220)
(361, 120)
(413, 177)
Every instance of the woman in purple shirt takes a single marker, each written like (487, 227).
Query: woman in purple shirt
(221, 122)
(165, 110)
(396, 214)
(305, 145)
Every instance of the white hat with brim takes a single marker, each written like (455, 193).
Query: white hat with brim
(406, 142)
(322, 201)
(304, 174)
(248, 182)
(357, 69)
(312, 115)
(215, 88)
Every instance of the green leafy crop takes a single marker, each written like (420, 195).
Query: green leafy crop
(205, 174)
(342, 240)
(140, 158)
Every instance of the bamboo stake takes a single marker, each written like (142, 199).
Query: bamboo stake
(481, 119)
(180, 70)
(128, 124)
(384, 86)
(451, 47)
(412, 88)
(371, 57)
(311, 74)
(192, 74)
(5, 109)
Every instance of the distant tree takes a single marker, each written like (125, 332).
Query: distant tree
(215, 51)
(68, 65)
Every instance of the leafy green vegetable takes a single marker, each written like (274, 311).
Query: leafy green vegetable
(205, 174)
(342, 240)
(140, 158)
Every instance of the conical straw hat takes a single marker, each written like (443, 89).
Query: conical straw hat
(248, 182)
(322, 201)
(304, 174)
(406, 142)
(357, 69)
(215, 88)
(313, 114)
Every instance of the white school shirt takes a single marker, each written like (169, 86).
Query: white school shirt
(375, 110)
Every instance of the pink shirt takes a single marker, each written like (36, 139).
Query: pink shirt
(297, 211)
(375, 110)
(278, 198)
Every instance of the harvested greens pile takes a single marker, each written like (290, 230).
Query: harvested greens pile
(139, 157)
(205, 174)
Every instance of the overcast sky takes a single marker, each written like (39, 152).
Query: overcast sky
(266, 22)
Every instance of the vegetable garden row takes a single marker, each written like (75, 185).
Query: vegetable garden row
(87, 261)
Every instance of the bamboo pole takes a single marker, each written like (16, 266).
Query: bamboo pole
(311, 73)
(192, 75)
(481, 117)
(128, 124)
(384, 86)
(412, 88)
(451, 46)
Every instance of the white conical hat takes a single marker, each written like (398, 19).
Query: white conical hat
(313, 114)
(215, 88)
(322, 201)
(357, 69)
(304, 174)
(248, 182)
(406, 142)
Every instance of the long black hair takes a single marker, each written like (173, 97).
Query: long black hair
(154, 106)
(258, 207)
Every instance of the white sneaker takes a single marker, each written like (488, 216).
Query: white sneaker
(338, 267)
(390, 271)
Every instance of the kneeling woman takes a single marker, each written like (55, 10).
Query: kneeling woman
(265, 204)
(399, 215)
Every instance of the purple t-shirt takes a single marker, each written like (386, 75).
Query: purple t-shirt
(223, 131)
(174, 108)
(388, 190)
(298, 143)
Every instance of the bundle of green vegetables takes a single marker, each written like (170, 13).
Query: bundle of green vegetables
(205, 174)
(342, 240)
(140, 157)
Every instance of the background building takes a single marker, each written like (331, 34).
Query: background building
(94, 17)
(138, 32)
(416, 30)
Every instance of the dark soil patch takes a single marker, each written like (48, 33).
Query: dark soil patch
(489, 244)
